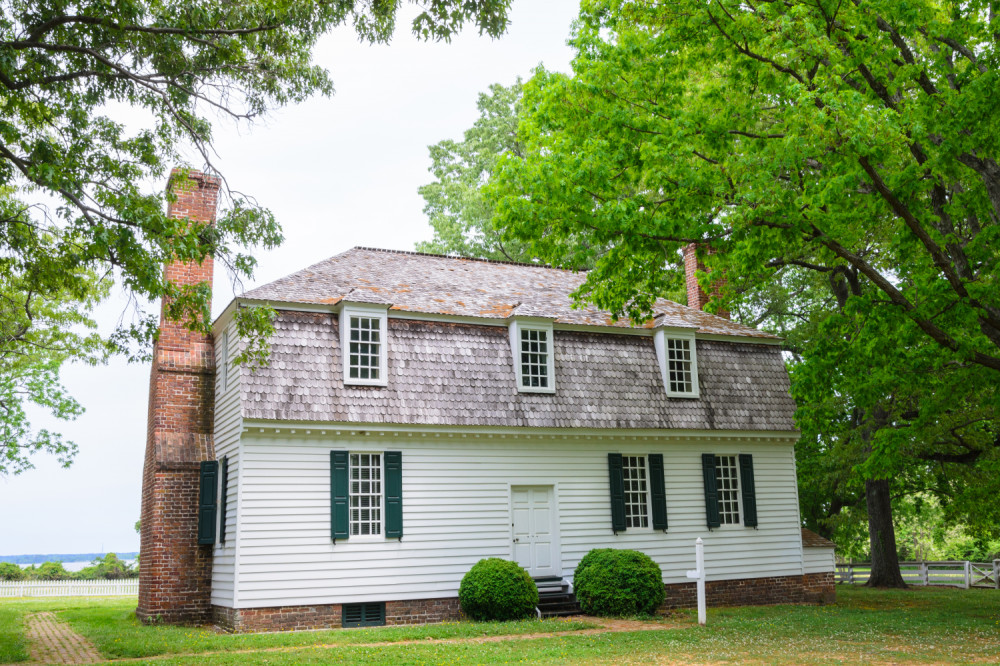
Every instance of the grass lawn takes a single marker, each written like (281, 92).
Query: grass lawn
(919, 625)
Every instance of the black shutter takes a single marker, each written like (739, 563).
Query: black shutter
(711, 491)
(617, 492)
(208, 488)
(223, 499)
(658, 491)
(749, 490)
(393, 494)
(339, 511)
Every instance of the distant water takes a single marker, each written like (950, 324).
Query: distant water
(76, 566)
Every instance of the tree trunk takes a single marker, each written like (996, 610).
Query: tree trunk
(885, 562)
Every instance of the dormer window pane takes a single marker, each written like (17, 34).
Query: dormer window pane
(534, 358)
(679, 371)
(365, 348)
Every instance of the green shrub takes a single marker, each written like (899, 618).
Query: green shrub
(496, 589)
(617, 583)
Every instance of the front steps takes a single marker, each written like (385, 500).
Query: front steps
(555, 599)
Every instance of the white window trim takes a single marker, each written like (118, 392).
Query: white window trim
(649, 494)
(223, 360)
(739, 494)
(518, 325)
(660, 342)
(380, 537)
(375, 312)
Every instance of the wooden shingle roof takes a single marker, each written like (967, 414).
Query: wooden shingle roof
(812, 540)
(462, 375)
(460, 372)
(427, 283)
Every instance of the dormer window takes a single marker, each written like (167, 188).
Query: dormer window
(676, 354)
(534, 365)
(363, 344)
(679, 365)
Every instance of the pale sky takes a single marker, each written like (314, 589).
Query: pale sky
(337, 172)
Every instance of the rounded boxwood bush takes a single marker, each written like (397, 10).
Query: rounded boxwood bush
(496, 589)
(616, 583)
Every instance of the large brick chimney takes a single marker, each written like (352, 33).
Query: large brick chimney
(697, 298)
(175, 572)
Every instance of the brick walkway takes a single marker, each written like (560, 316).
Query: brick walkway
(53, 642)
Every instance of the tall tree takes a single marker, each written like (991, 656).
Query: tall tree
(73, 210)
(456, 207)
(855, 141)
(462, 216)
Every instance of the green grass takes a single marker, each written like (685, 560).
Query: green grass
(13, 645)
(111, 625)
(919, 625)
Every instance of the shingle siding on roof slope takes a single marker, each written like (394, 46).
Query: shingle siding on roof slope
(414, 282)
(462, 375)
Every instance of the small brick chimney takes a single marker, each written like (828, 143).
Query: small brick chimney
(175, 572)
(697, 298)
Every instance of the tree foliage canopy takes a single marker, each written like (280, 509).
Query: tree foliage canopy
(456, 207)
(75, 208)
(841, 158)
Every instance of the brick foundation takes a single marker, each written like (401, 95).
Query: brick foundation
(327, 616)
(175, 578)
(819, 588)
(810, 588)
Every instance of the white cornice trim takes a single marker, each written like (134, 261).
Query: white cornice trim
(334, 428)
(222, 321)
(774, 342)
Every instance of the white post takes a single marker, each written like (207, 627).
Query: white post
(924, 576)
(699, 574)
(996, 574)
(968, 574)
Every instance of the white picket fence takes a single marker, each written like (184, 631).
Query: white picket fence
(958, 573)
(69, 588)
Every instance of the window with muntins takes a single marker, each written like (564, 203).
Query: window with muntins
(728, 487)
(365, 348)
(636, 491)
(677, 356)
(534, 358)
(679, 372)
(366, 494)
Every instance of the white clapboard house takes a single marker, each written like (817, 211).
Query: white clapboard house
(421, 413)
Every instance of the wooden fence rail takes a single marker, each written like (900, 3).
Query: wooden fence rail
(69, 588)
(958, 573)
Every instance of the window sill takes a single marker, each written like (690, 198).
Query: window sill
(362, 382)
(640, 530)
(367, 538)
(535, 389)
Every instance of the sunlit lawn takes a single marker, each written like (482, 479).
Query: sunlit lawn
(920, 625)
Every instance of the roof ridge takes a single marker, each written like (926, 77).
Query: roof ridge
(458, 256)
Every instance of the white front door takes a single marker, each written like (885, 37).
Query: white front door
(535, 529)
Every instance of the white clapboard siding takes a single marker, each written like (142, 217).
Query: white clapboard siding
(818, 560)
(228, 424)
(69, 588)
(456, 492)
